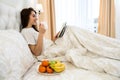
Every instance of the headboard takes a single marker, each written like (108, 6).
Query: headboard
(10, 13)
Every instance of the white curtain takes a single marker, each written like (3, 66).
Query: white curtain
(117, 18)
(80, 13)
(66, 11)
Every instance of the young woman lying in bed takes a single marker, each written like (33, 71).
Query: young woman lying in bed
(82, 48)
(32, 34)
(35, 36)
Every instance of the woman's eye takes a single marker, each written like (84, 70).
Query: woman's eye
(34, 15)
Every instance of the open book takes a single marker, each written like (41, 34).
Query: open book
(62, 31)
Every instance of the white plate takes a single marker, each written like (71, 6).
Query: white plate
(49, 74)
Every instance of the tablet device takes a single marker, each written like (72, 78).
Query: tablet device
(62, 31)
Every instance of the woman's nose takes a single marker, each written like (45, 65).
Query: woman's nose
(36, 18)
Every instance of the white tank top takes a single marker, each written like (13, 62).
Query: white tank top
(31, 36)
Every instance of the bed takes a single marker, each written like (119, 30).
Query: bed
(90, 62)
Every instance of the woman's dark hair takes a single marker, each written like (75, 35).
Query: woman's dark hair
(25, 13)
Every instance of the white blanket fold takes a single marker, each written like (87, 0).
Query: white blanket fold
(88, 50)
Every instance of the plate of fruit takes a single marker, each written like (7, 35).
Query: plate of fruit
(50, 67)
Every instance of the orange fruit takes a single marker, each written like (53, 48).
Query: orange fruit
(45, 63)
(42, 69)
(49, 70)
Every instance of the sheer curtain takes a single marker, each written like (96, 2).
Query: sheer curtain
(117, 19)
(80, 13)
(65, 11)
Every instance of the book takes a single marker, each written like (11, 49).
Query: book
(61, 33)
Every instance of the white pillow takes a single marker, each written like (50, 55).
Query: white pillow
(9, 17)
(15, 55)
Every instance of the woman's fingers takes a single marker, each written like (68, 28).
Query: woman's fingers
(41, 28)
(56, 36)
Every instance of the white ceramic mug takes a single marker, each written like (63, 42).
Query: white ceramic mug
(45, 24)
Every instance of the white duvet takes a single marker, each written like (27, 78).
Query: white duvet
(88, 51)
(70, 73)
(87, 56)
(102, 53)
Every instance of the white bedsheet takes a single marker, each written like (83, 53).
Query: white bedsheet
(70, 73)
(88, 50)
(85, 58)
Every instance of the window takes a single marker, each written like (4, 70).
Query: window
(117, 19)
(80, 13)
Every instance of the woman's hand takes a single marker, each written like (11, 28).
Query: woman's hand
(56, 36)
(37, 49)
(42, 29)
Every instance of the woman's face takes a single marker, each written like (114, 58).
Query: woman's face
(33, 18)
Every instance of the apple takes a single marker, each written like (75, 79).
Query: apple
(52, 62)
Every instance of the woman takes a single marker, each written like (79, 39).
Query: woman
(33, 36)
(82, 48)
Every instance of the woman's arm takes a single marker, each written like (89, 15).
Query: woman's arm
(37, 49)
